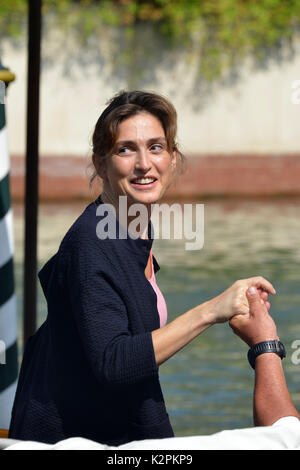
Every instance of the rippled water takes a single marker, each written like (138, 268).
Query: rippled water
(208, 385)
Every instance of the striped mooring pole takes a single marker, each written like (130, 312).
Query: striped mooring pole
(8, 304)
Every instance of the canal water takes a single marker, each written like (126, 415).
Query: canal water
(208, 385)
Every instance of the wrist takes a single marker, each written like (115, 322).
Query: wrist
(265, 348)
(261, 338)
(211, 311)
(203, 316)
(268, 359)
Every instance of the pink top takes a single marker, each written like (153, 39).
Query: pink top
(161, 304)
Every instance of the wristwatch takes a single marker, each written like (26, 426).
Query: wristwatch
(273, 346)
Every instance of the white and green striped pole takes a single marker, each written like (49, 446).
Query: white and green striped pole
(8, 307)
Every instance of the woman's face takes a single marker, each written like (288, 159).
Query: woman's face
(141, 166)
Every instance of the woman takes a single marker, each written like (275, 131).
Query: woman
(91, 370)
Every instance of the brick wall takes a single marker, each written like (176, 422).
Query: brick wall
(65, 177)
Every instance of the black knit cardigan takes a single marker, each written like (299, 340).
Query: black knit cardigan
(90, 369)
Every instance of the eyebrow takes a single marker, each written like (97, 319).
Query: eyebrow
(149, 142)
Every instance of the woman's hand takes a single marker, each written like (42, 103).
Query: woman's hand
(233, 301)
(172, 337)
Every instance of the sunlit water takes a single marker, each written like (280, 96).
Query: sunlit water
(208, 385)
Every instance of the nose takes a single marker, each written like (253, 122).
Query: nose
(143, 160)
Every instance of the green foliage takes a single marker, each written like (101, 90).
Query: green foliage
(220, 33)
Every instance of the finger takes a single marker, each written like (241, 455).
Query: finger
(263, 294)
(261, 283)
(268, 306)
(264, 305)
(256, 304)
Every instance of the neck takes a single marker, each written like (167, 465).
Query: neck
(122, 207)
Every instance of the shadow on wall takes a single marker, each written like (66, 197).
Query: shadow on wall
(142, 58)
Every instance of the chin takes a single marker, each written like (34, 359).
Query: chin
(148, 198)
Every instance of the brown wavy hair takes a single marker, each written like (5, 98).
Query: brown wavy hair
(124, 105)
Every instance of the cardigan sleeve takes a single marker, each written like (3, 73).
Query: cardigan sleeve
(115, 355)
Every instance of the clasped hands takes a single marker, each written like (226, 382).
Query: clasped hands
(245, 305)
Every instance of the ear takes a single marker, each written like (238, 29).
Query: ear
(100, 167)
(174, 156)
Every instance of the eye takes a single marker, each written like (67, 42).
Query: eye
(157, 148)
(125, 151)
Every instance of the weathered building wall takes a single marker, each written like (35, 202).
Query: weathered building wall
(223, 125)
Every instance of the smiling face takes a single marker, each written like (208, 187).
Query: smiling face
(141, 166)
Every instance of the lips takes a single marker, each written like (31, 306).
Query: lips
(143, 181)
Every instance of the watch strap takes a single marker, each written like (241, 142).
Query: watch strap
(271, 346)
